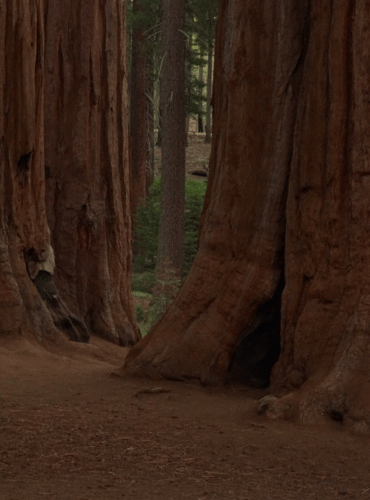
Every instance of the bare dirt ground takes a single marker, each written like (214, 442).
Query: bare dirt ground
(69, 429)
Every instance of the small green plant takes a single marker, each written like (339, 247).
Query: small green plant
(143, 282)
(147, 228)
(140, 313)
(194, 200)
(164, 293)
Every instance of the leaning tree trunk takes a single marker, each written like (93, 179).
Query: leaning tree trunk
(87, 165)
(286, 211)
(24, 233)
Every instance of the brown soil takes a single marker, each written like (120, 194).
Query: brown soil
(69, 429)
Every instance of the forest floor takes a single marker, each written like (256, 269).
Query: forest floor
(70, 429)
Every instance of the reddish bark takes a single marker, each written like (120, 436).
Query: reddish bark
(237, 269)
(23, 224)
(286, 208)
(86, 137)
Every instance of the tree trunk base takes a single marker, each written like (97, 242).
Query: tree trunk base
(335, 398)
(69, 324)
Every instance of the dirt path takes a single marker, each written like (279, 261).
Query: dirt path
(68, 430)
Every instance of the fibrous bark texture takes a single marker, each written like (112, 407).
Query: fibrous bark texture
(239, 264)
(171, 231)
(284, 231)
(23, 224)
(325, 306)
(87, 164)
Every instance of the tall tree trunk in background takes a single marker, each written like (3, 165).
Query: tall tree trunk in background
(159, 136)
(138, 111)
(150, 131)
(129, 45)
(86, 141)
(200, 105)
(283, 232)
(171, 233)
(24, 232)
(188, 74)
(208, 138)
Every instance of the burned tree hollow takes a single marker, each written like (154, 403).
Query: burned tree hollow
(259, 346)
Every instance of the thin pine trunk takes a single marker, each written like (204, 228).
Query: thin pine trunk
(150, 133)
(139, 122)
(200, 104)
(208, 138)
(171, 234)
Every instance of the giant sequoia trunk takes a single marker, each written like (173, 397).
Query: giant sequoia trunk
(29, 300)
(283, 239)
(87, 167)
(24, 233)
(23, 222)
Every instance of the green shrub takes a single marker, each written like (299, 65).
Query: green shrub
(147, 226)
(140, 313)
(143, 282)
(146, 230)
(194, 200)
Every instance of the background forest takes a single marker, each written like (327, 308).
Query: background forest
(146, 76)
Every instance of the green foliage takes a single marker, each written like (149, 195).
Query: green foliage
(143, 283)
(164, 294)
(201, 20)
(194, 200)
(194, 96)
(147, 229)
(142, 295)
(140, 313)
(143, 279)
(145, 14)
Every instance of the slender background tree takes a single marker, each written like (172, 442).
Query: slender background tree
(139, 118)
(171, 233)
